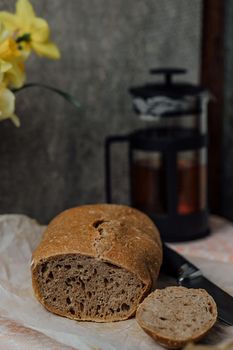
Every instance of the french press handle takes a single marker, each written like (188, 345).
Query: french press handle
(109, 141)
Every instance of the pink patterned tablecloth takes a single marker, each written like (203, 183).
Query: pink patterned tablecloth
(217, 246)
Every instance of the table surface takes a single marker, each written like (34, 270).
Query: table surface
(218, 246)
(25, 324)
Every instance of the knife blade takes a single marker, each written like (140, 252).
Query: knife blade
(188, 275)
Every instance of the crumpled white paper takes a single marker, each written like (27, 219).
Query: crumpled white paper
(25, 324)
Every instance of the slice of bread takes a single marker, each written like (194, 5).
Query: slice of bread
(176, 315)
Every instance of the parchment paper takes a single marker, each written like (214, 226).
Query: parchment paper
(25, 324)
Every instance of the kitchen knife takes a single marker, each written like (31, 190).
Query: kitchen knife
(188, 275)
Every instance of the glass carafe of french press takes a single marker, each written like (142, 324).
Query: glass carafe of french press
(168, 157)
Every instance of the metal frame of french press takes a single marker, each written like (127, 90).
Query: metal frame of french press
(173, 223)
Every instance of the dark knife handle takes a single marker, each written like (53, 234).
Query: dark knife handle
(176, 265)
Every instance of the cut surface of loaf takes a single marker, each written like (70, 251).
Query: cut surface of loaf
(96, 262)
(176, 315)
(80, 287)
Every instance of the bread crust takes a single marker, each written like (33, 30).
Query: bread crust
(117, 234)
(167, 341)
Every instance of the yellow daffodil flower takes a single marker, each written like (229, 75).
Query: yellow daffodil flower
(20, 33)
(8, 49)
(4, 67)
(11, 61)
(7, 105)
(31, 32)
(7, 98)
(15, 77)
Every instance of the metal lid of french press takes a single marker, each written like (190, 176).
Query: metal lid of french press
(168, 97)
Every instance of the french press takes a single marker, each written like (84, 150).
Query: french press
(168, 157)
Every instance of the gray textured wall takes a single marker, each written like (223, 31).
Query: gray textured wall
(55, 160)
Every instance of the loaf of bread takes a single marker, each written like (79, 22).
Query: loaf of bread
(175, 316)
(96, 262)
